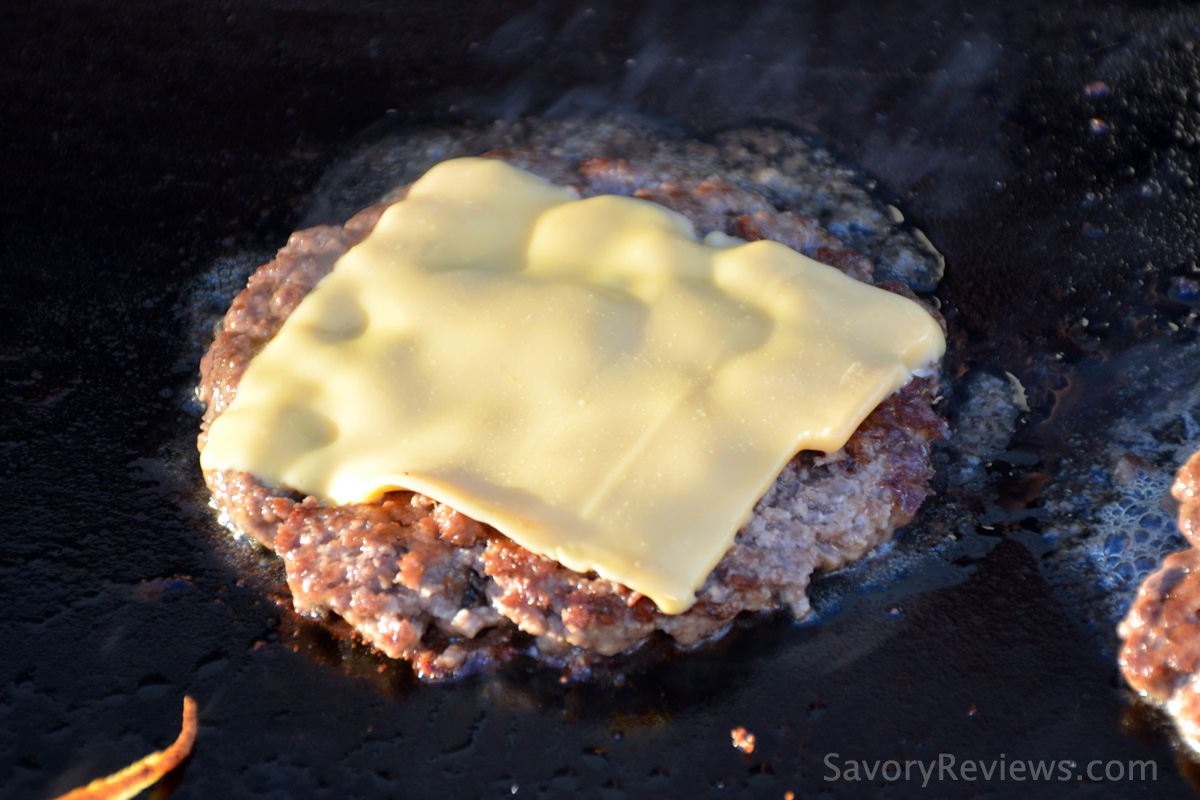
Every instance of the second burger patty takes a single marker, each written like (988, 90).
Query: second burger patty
(424, 583)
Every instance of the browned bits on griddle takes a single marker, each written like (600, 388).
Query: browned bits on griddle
(145, 772)
(743, 739)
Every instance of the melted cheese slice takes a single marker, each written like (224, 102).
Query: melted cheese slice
(584, 375)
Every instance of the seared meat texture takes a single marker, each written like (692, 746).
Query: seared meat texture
(421, 582)
(1160, 657)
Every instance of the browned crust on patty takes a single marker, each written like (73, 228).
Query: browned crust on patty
(1162, 630)
(422, 582)
(1186, 490)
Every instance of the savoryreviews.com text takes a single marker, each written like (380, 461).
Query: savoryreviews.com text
(947, 767)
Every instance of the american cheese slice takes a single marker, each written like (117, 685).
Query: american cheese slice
(586, 376)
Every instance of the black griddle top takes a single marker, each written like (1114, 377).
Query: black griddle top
(1048, 149)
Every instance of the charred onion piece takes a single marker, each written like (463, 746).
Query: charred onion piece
(144, 773)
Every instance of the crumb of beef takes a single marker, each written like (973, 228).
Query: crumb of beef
(421, 582)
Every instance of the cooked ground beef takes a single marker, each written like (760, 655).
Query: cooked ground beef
(421, 582)
(1161, 653)
(1186, 490)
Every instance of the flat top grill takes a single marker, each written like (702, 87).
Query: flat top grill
(1047, 149)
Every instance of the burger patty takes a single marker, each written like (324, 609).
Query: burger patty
(422, 582)
(1160, 657)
